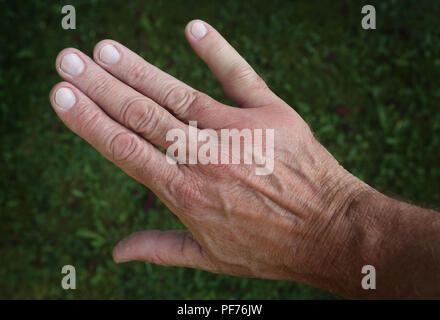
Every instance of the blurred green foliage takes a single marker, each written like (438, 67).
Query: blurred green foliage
(371, 97)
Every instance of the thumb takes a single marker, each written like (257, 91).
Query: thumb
(167, 248)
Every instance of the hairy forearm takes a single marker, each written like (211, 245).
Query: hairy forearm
(350, 226)
(400, 240)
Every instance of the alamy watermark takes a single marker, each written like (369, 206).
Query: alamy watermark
(208, 146)
(369, 280)
(69, 20)
(369, 20)
(69, 280)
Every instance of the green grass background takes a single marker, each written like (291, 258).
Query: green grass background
(371, 97)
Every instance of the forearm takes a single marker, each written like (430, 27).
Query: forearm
(400, 240)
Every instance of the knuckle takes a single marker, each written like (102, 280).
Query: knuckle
(138, 73)
(87, 119)
(203, 106)
(242, 71)
(157, 257)
(180, 100)
(141, 115)
(243, 74)
(124, 147)
(101, 85)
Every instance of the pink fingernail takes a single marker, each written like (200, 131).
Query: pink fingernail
(65, 98)
(198, 30)
(109, 54)
(72, 64)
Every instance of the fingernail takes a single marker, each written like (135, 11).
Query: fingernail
(198, 30)
(64, 98)
(72, 64)
(109, 54)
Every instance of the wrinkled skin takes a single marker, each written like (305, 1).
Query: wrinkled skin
(290, 224)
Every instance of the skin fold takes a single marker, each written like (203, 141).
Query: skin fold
(309, 221)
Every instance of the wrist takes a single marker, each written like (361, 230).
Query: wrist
(346, 241)
(399, 240)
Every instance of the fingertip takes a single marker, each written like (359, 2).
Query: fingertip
(196, 30)
(189, 24)
(115, 255)
(63, 96)
(125, 249)
(111, 56)
(61, 54)
(100, 44)
(71, 63)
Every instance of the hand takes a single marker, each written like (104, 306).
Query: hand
(290, 224)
